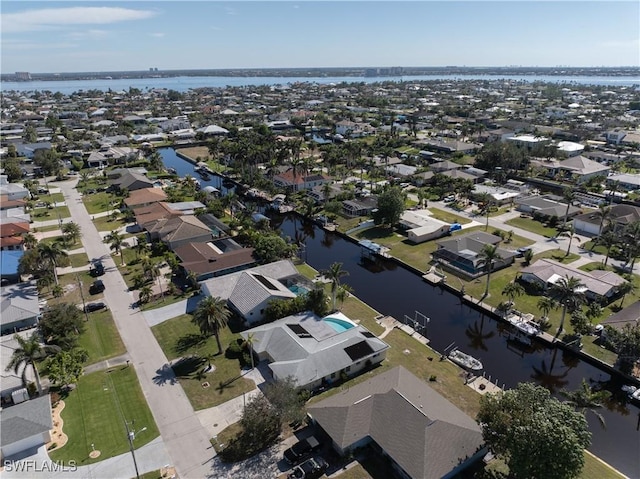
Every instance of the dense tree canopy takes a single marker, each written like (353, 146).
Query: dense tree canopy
(537, 435)
(390, 206)
(62, 325)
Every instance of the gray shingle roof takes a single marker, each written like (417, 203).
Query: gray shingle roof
(418, 428)
(19, 302)
(25, 420)
(250, 291)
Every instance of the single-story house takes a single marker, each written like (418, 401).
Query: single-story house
(500, 195)
(213, 130)
(627, 316)
(19, 305)
(148, 216)
(423, 434)
(359, 206)
(181, 230)
(582, 168)
(462, 253)
(598, 284)
(10, 382)
(620, 216)
(13, 191)
(131, 181)
(545, 206)
(421, 227)
(25, 427)
(9, 262)
(315, 351)
(28, 150)
(11, 234)
(625, 181)
(445, 165)
(145, 197)
(110, 155)
(214, 258)
(249, 291)
(401, 170)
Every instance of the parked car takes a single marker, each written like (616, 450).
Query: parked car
(310, 469)
(300, 450)
(449, 199)
(97, 287)
(91, 307)
(97, 268)
(523, 250)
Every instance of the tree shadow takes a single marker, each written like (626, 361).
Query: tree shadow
(222, 385)
(165, 375)
(185, 367)
(188, 341)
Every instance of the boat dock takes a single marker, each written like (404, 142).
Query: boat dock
(482, 385)
(434, 277)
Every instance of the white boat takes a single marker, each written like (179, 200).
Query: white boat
(632, 391)
(465, 360)
(523, 325)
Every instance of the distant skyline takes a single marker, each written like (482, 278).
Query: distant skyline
(75, 36)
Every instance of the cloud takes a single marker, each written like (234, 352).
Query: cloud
(50, 18)
(157, 34)
(11, 45)
(88, 34)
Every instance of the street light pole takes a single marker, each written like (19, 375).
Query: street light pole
(131, 435)
(84, 306)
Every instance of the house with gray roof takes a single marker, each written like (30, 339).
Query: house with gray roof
(545, 206)
(25, 427)
(10, 381)
(619, 217)
(180, 230)
(316, 351)
(582, 168)
(20, 309)
(598, 284)
(131, 181)
(629, 316)
(424, 435)
(462, 253)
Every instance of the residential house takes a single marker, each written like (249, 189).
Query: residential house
(359, 206)
(423, 434)
(620, 216)
(500, 195)
(582, 169)
(13, 191)
(400, 170)
(180, 230)
(249, 295)
(448, 146)
(462, 253)
(445, 165)
(625, 181)
(12, 384)
(148, 216)
(25, 427)
(545, 206)
(298, 182)
(9, 262)
(569, 148)
(131, 181)
(599, 285)
(628, 316)
(528, 142)
(213, 130)
(420, 226)
(316, 351)
(110, 155)
(28, 150)
(145, 197)
(19, 306)
(214, 258)
(11, 235)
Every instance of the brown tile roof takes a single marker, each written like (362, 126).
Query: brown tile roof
(202, 258)
(145, 196)
(13, 229)
(6, 203)
(183, 227)
(146, 216)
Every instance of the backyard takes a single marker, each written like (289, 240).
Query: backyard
(95, 412)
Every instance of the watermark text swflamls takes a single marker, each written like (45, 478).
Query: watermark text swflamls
(31, 465)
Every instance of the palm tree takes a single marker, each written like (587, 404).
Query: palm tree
(513, 290)
(586, 399)
(569, 232)
(608, 240)
(624, 289)
(486, 202)
(29, 240)
(144, 295)
(210, 316)
(569, 194)
(343, 293)
(569, 294)
(604, 213)
(487, 257)
(546, 305)
(156, 273)
(594, 311)
(28, 352)
(52, 253)
(71, 232)
(116, 243)
(250, 341)
(333, 274)
(141, 246)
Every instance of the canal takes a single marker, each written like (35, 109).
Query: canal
(395, 291)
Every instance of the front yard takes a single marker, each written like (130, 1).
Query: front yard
(533, 226)
(95, 412)
(101, 338)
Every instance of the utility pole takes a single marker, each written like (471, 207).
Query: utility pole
(131, 435)
(84, 306)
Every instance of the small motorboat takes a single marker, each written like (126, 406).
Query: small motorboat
(204, 175)
(172, 171)
(465, 361)
(632, 392)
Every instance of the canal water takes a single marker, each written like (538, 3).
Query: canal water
(394, 290)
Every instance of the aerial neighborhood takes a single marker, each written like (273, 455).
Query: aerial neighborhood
(315, 279)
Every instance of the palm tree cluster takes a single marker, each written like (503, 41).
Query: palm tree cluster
(43, 260)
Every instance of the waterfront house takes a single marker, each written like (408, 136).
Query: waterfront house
(629, 316)
(180, 230)
(25, 427)
(12, 234)
(148, 216)
(420, 226)
(578, 168)
(316, 351)
(462, 253)
(214, 258)
(130, 181)
(145, 197)
(359, 206)
(625, 181)
(599, 285)
(297, 182)
(423, 434)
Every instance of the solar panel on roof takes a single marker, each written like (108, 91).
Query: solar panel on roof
(368, 334)
(265, 282)
(358, 350)
(299, 330)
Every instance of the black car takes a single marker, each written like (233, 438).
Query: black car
(97, 287)
(91, 307)
(97, 269)
(310, 469)
(300, 450)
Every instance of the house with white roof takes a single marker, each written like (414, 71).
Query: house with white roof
(20, 309)
(316, 351)
(421, 226)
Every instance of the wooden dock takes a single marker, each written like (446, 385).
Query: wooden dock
(433, 278)
(482, 385)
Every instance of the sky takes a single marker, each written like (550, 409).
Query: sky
(77, 36)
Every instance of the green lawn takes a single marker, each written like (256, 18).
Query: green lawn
(99, 202)
(179, 337)
(307, 271)
(46, 214)
(533, 226)
(43, 229)
(60, 239)
(448, 217)
(78, 260)
(95, 412)
(105, 223)
(101, 338)
(594, 468)
(70, 283)
(152, 475)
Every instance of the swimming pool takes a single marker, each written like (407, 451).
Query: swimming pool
(298, 290)
(339, 325)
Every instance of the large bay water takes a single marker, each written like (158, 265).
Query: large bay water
(394, 290)
(185, 83)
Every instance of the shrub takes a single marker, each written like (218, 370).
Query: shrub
(235, 351)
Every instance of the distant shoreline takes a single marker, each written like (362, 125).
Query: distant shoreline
(374, 72)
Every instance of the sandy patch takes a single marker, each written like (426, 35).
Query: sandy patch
(58, 437)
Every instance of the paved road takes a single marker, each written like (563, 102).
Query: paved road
(184, 437)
